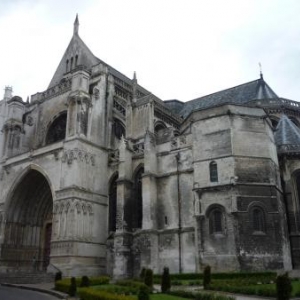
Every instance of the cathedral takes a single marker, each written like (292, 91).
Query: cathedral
(100, 176)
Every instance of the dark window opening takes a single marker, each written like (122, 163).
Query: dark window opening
(213, 171)
(137, 209)
(258, 220)
(216, 221)
(159, 127)
(76, 61)
(118, 129)
(57, 130)
(71, 65)
(112, 223)
(166, 220)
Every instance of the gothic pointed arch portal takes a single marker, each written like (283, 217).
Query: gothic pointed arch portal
(28, 225)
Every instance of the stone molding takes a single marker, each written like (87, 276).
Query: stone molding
(77, 154)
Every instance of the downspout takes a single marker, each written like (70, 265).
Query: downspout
(177, 156)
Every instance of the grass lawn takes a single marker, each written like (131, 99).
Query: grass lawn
(165, 297)
(112, 287)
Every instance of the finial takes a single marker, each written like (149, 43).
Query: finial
(76, 25)
(8, 92)
(260, 71)
(134, 87)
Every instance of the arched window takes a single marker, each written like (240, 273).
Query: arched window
(57, 130)
(112, 216)
(76, 61)
(118, 129)
(71, 65)
(159, 127)
(258, 219)
(137, 207)
(216, 222)
(67, 65)
(213, 171)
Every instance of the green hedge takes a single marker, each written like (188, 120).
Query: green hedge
(64, 284)
(92, 294)
(130, 283)
(200, 296)
(118, 289)
(229, 275)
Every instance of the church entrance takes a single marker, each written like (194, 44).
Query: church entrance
(27, 237)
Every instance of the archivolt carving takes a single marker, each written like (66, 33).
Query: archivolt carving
(73, 220)
(76, 154)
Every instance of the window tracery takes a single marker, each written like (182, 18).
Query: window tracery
(57, 130)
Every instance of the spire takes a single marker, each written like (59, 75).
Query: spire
(76, 25)
(260, 72)
(134, 87)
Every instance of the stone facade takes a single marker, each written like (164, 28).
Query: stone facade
(98, 175)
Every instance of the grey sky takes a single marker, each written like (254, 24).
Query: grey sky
(180, 49)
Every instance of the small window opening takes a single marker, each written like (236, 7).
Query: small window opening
(166, 220)
(213, 171)
(258, 220)
(71, 66)
(216, 221)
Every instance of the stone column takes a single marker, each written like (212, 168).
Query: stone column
(123, 238)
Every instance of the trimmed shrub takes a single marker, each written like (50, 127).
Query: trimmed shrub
(206, 277)
(149, 278)
(283, 287)
(143, 293)
(73, 287)
(130, 283)
(85, 282)
(165, 281)
(58, 276)
(142, 274)
(118, 289)
(92, 294)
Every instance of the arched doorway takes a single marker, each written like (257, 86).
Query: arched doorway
(28, 225)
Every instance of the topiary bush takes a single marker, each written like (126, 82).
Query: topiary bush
(143, 293)
(165, 281)
(58, 276)
(149, 278)
(206, 277)
(73, 287)
(283, 287)
(142, 274)
(85, 282)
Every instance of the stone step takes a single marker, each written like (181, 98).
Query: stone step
(24, 277)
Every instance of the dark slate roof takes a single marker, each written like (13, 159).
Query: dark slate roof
(174, 105)
(241, 94)
(286, 133)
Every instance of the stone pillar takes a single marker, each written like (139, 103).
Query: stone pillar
(78, 245)
(149, 182)
(123, 238)
(98, 118)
